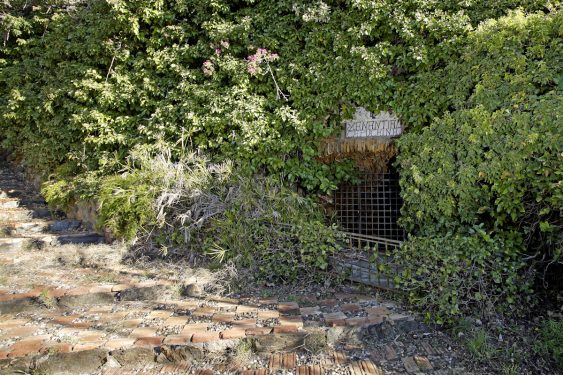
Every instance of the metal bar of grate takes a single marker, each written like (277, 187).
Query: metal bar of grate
(367, 260)
(371, 207)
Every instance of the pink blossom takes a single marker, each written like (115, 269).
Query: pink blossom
(261, 55)
(252, 69)
(225, 44)
(208, 68)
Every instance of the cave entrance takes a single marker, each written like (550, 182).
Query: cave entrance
(372, 206)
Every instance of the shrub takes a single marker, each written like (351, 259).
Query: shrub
(481, 185)
(197, 208)
(464, 273)
(551, 340)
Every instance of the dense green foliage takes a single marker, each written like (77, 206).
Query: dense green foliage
(477, 84)
(81, 85)
(482, 183)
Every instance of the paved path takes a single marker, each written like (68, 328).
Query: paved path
(57, 318)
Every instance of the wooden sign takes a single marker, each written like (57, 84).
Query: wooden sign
(368, 125)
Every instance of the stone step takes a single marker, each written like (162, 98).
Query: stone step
(19, 192)
(15, 214)
(41, 240)
(80, 238)
(24, 228)
(39, 226)
(9, 203)
(21, 214)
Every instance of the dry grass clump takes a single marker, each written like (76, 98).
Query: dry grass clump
(242, 354)
(83, 255)
(315, 341)
(111, 259)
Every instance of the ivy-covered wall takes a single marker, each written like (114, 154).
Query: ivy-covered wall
(477, 84)
(82, 83)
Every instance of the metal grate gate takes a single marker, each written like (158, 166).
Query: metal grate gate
(371, 207)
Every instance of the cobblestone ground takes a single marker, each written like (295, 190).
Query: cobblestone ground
(61, 319)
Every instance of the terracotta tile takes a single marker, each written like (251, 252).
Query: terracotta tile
(234, 333)
(375, 319)
(194, 327)
(244, 323)
(410, 365)
(131, 323)
(377, 311)
(286, 329)
(242, 309)
(328, 303)
(120, 287)
(86, 336)
(224, 300)
(146, 284)
(175, 321)
(398, 317)
(12, 297)
(159, 314)
(223, 317)
(187, 305)
(307, 311)
(268, 314)
(423, 363)
(100, 309)
(23, 348)
(119, 343)
(204, 312)
(289, 360)
(287, 307)
(178, 339)
(42, 338)
(390, 353)
(352, 322)
(268, 301)
(12, 323)
(101, 289)
(80, 347)
(258, 331)
(335, 319)
(64, 320)
(20, 331)
(205, 337)
(79, 291)
(296, 321)
(143, 332)
(83, 324)
(149, 341)
(56, 293)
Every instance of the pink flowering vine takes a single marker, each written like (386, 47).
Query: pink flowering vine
(263, 57)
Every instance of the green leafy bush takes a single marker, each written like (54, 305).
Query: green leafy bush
(455, 274)
(493, 163)
(551, 340)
